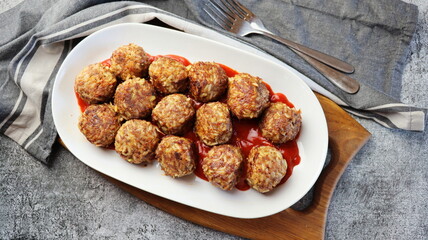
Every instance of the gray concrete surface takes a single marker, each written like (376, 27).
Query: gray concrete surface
(382, 194)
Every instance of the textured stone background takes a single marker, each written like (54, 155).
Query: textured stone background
(382, 194)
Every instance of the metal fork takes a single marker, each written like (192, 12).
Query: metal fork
(234, 17)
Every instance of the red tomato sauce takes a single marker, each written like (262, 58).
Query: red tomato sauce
(246, 133)
(278, 97)
(106, 62)
(229, 71)
(82, 104)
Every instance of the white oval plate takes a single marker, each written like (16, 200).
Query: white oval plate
(191, 190)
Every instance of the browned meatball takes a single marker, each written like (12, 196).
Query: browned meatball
(173, 114)
(213, 124)
(130, 61)
(135, 98)
(95, 83)
(136, 141)
(222, 166)
(208, 81)
(247, 96)
(99, 124)
(280, 123)
(176, 156)
(265, 168)
(168, 75)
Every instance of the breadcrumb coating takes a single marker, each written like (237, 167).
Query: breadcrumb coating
(265, 168)
(247, 96)
(176, 156)
(222, 166)
(213, 123)
(136, 141)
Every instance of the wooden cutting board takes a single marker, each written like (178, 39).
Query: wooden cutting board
(346, 137)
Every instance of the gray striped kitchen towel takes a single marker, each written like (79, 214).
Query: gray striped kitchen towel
(37, 35)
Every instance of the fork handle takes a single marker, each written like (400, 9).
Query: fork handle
(322, 57)
(339, 79)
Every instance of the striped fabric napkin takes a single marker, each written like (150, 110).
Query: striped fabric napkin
(37, 35)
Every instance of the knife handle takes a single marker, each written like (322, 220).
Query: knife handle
(342, 81)
(322, 57)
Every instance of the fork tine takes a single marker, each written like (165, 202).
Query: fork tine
(234, 7)
(241, 7)
(218, 16)
(231, 9)
(225, 11)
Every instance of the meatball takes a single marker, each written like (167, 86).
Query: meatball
(130, 61)
(280, 123)
(223, 165)
(99, 124)
(176, 156)
(208, 81)
(95, 83)
(213, 123)
(173, 114)
(136, 141)
(168, 75)
(265, 168)
(247, 96)
(135, 98)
